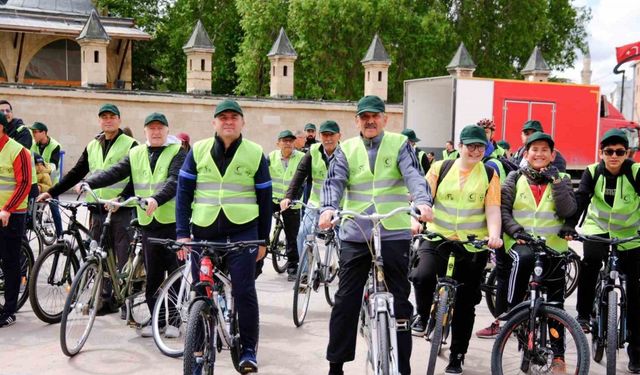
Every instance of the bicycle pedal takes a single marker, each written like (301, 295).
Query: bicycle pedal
(402, 325)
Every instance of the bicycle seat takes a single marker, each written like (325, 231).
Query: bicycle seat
(134, 223)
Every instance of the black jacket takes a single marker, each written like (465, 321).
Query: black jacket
(302, 174)
(23, 136)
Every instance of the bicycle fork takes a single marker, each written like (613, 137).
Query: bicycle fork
(380, 307)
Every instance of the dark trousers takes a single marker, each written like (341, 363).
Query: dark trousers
(158, 261)
(57, 219)
(355, 263)
(10, 243)
(595, 254)
(503, 269)
(468, 271)
(119, 236)
(291, 221)
(242, 268)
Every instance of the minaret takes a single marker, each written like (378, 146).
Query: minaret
(586, 67)
(199, 51)
(376, 64)
(282, 57)
(536, 69)
(461, 65)
(93, 41)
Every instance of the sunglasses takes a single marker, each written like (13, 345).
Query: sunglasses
(475, 146)
(618, 151)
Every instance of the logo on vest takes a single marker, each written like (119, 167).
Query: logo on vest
(626, 198)
(387, 162)
(472, 197)
(6, 170)
(241, 171)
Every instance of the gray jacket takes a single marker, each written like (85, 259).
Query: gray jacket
(562, 194)
(338, 177)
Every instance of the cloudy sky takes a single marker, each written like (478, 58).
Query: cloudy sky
(614, 23)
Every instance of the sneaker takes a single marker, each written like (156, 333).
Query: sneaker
(123, 313)
(248, 362)
(172, 332)
(455, 364)
(292, 274)
(147, 331)
(585, 324)
(7, 320)
(634, 361)
(419, 326)
(489, 332)
(558, 366)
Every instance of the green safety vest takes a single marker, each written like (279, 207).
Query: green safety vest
(46, 155)
(501, 172)
(421, 154)
(620, 221)
(460, 212)
(281, 177)
(146, 183)
(8, 155)
(384, 188)
(234, 192)
(453, 155)
(97, 163)
(318, 174)
(537, 219)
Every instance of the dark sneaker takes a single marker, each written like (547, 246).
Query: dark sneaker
(634, 361)
(248, 362)
(291, 277)
(585, 324)
(489, 332)
(455, 364)
(419, 326)
(7, 320)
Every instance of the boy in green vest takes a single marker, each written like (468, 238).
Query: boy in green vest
(153, 168)
(283, 163)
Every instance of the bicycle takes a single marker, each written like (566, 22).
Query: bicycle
(55, 268)
(26, 265)
(444, 297)
(315, 269)
(172, 305)
(213, 318)
(277, 246)
(609, 326)
(85, 294)
(538, 332)
(377, 316)
(43, 223)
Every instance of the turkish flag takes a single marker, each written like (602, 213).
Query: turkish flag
(627, 51)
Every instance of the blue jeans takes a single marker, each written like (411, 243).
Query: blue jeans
(307, 226)
(55, 215)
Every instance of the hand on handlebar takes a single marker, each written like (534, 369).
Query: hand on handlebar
(522, 237)
(426, 213)
(284, 204)
(81, 187)
(494, 242)
(326, 219)
(43, 197)
(151, 204)
(182, 253)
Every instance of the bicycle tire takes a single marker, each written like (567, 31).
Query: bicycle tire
(521, 319)
(438, 329)
(301, 292)
(25, 262)
(384, 345)
(597, 343)
(34, 240)
(571, 277)
(138, 308)
(201, 330)
(278, 251)
(46, 230)
(490, 291)
(235, 335)
(89, 278)
(331, 284)
(612, 331)
(174, 312)
(42, 295)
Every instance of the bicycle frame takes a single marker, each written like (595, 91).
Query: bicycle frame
(611, 278)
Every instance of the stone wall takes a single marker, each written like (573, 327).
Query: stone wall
(72, 118)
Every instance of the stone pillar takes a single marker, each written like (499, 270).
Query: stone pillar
(282, 57)
(536, 69)
(376, 64)
(199, 51)
(461, 65)
(93, 41)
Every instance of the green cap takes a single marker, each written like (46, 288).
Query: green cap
(532, 125)
(473, 134)
(3, 120)
(613, 136)
(411, 135)
(228, 105)
(309, 126)
(109, 108)
(39, 126)
(370, 103)
(329, 126)
(504, 144)
(286, 134)
(156, 116)
(540, 136)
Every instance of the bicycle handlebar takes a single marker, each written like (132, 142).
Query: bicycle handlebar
(376, 217)
(538, 242)
(174, 245)
(471, 239)
(141, 202)
(609, 241)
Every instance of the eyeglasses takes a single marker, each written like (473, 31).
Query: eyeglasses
(5, 110)
(475, 146)
(617, 151)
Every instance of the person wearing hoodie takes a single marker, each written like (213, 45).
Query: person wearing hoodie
(16, 129)
(153, 168)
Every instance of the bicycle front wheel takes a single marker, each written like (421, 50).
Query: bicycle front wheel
(441, 309)
(172, 310)
(304, 286)
(332, 264)
(199, 343)
(556, 345)
(278, 250)
(572, 273)
(490, 291)
(612, 331)
(137, 300)
(384, 362)
(80, 308)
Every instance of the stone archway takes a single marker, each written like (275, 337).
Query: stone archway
(57, 63)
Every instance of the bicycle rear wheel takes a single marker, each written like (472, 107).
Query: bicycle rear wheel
(442, 309)
(51, 280)
(172, 310)
(303, 287)
(34, 239)
(80, 308)
(44, 224)
(384, 345)
(278, 250)
(572, 273)
(137, 300)
(332, 262)
(25, 265)
(612, 331)
(490, 287)
(199, 343)
(565, 347)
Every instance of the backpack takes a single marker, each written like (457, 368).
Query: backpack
(508, 165)
(446, 167)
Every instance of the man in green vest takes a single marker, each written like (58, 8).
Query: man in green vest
(283, 163)
(421, 155)
(49, 149)
(608, 195)
(386, 161)
(449, 151)
(153, 168)
(104, 151)
(312, 171)
(15, 183)
(224, 194)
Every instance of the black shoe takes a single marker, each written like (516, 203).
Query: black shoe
(7, 320)
(123, 313)
(335, 369)
(292, 274)
(634, 362)
(106, 309)
(455, 364)
(419, 326)
(585, 324)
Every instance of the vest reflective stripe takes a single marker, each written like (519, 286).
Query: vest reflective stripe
(234, 193)
(119, 149)
(281, 177)
(46, 156)
(318, 174)
(8, 155)
(620, 220)
(460, 212)
(384, 188)
(146, 183)
(453, 155)
(421, 154)
(537, 218)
